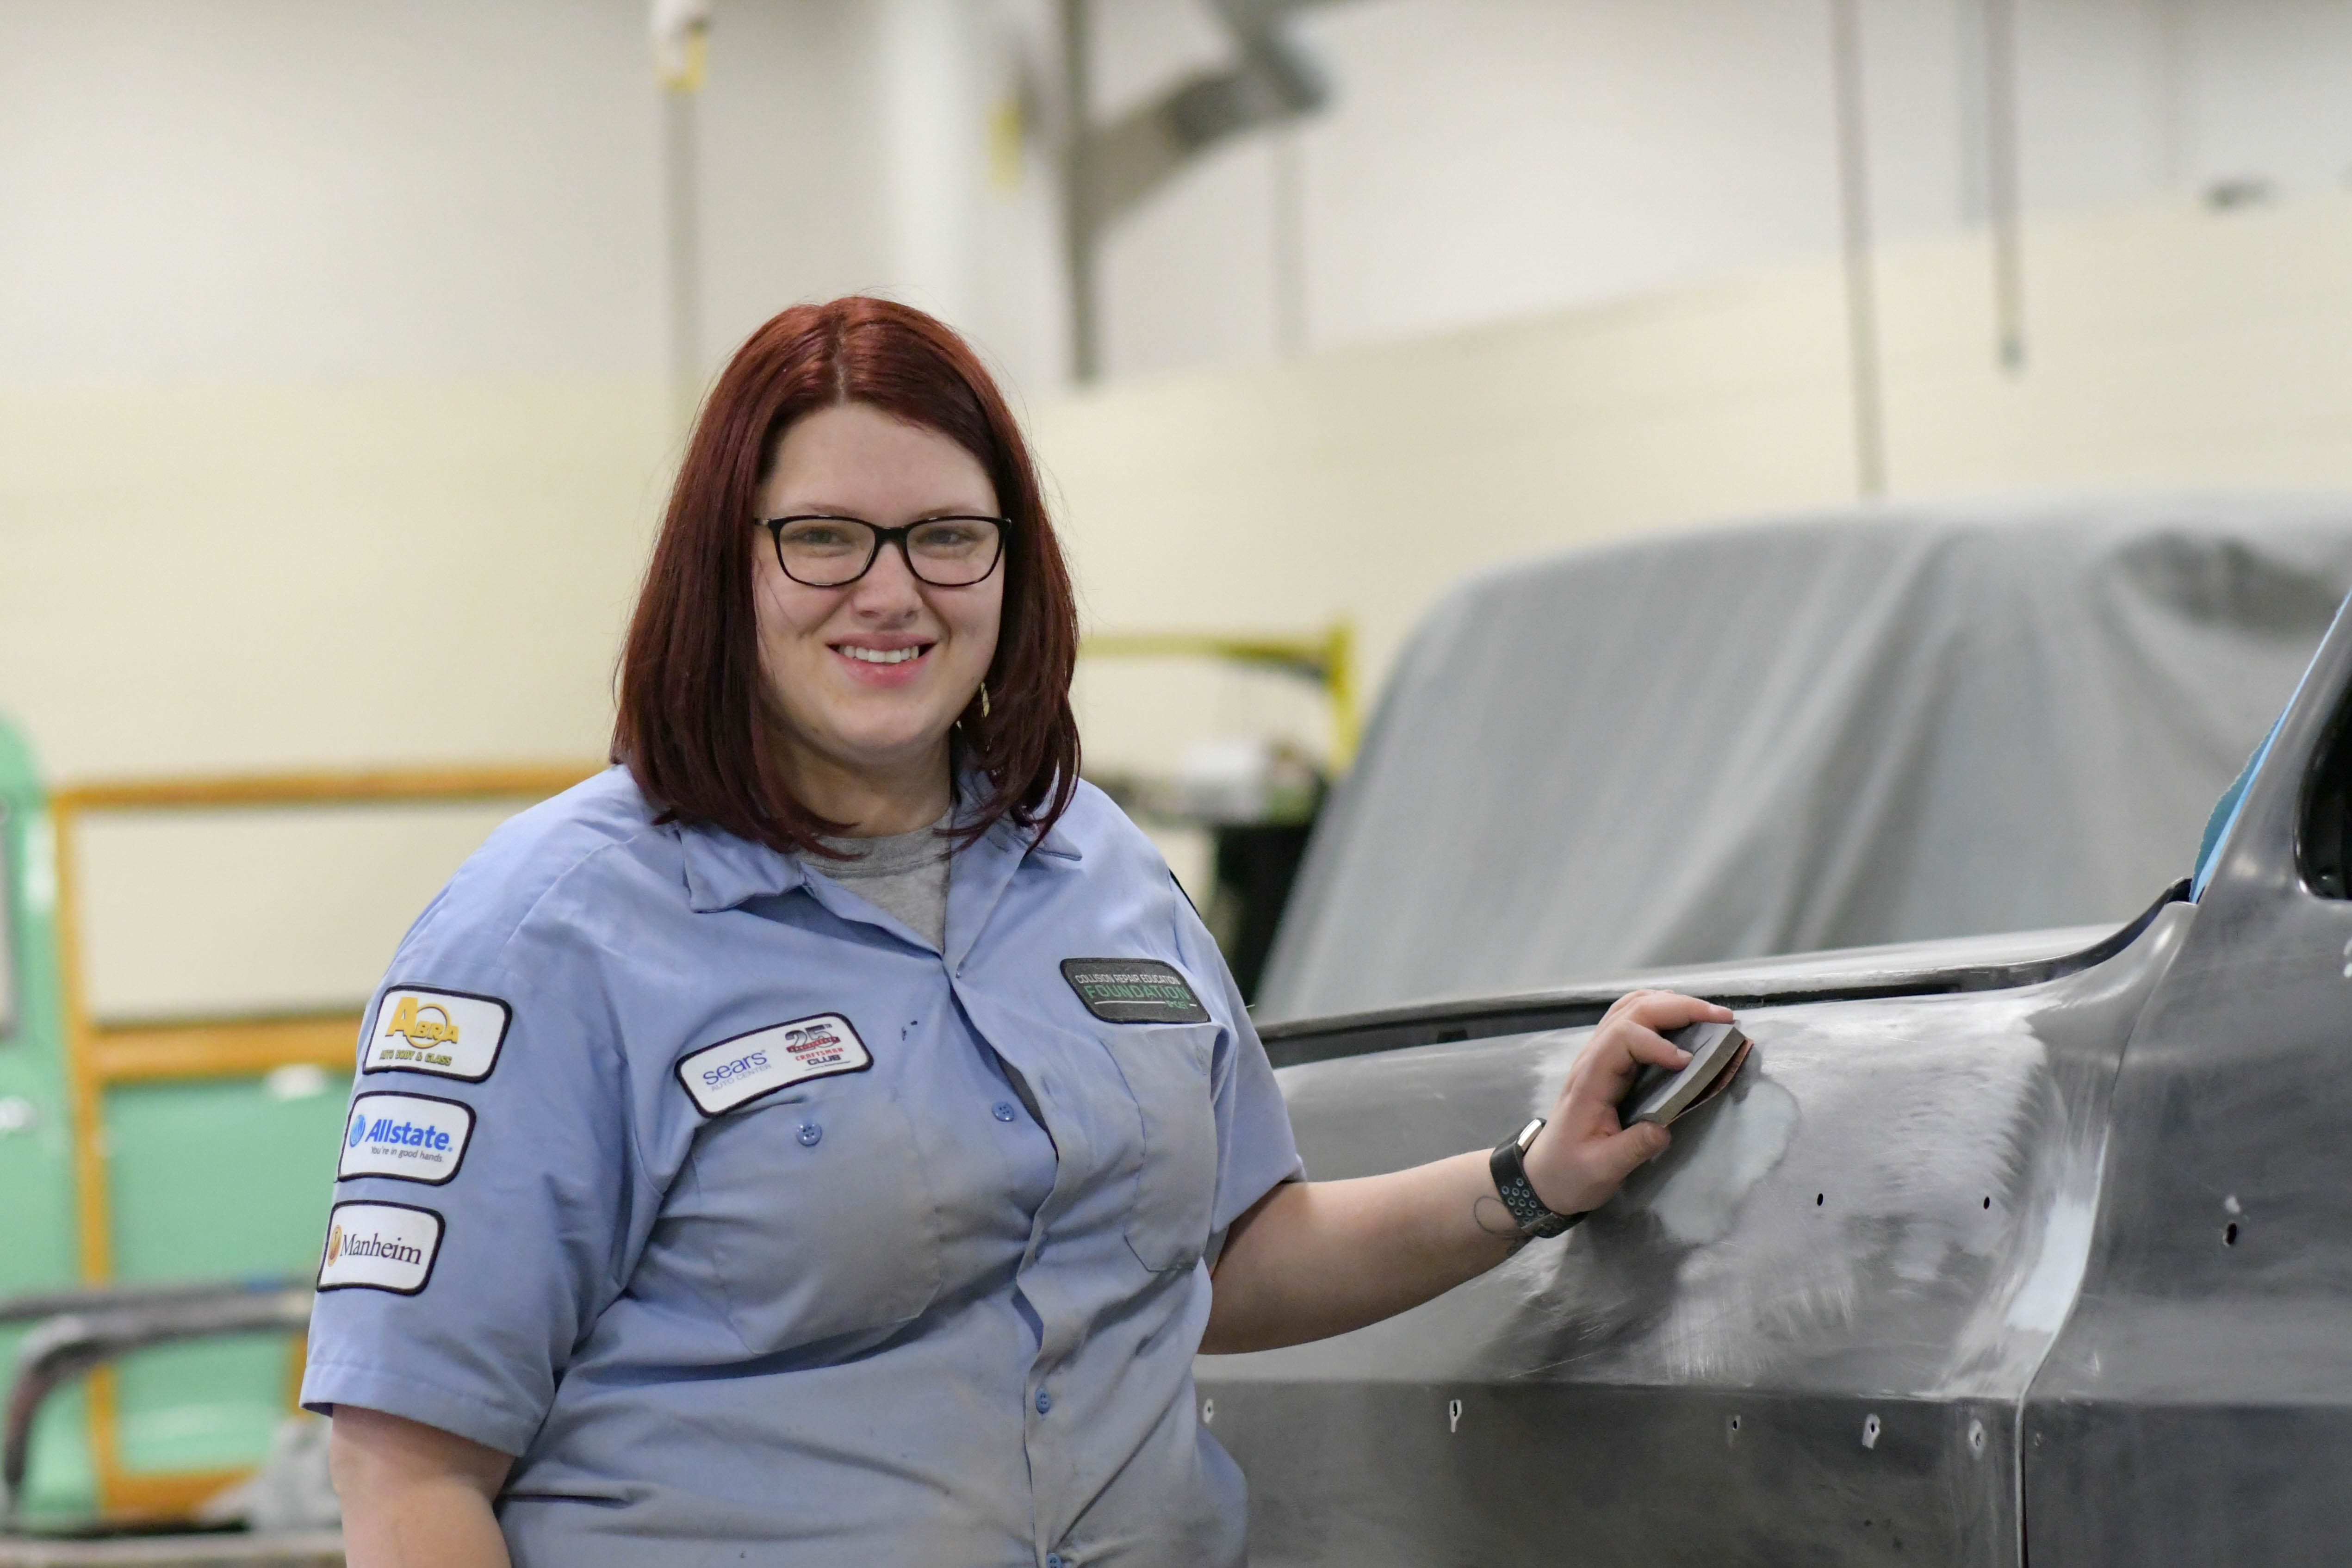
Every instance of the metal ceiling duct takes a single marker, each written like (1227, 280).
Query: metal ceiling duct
(1110, 170)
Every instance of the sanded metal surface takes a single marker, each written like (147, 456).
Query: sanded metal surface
(1859, 1255)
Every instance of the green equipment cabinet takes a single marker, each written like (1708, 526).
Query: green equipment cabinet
(37, 1244)
(165, 1151)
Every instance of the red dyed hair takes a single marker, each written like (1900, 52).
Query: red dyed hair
(693, 700)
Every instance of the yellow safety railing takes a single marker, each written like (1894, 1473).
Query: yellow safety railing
(1326, 659)
(100, 1056)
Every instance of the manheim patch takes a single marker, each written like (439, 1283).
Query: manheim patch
(739, 1071)
(1133, 990)
(420, 1030)
(408, 1137)
(380, 1247)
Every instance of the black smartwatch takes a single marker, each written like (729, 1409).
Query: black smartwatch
(1508, 1165)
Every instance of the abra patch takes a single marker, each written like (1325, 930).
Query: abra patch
(1133, 990)
(453, 1033)
(739, 1071)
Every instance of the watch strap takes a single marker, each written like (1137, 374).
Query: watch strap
(1507, 1165)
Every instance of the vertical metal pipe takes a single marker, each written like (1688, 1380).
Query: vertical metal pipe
(2001, 182)
(1077, 214)
(1290, 245)
(1853, 213)
(2172, 43)
(1968, 110)
(682, 200)
(86, 1089)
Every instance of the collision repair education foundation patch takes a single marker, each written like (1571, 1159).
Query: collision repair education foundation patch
(380, 1247)
(409, 1137)
(1133, 990)
(452, 1033)
(739, 1071)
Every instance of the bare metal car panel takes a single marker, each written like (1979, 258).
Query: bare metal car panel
(1901, 969)
(2028, 1257)
(2198, 1407)
(1883, 1219)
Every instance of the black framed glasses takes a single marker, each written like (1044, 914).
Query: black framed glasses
(820, 551)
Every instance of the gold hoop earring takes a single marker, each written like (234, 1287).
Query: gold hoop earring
(983, 699)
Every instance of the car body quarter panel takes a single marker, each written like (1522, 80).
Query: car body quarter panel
(2198, 1408)
(1817, 1311)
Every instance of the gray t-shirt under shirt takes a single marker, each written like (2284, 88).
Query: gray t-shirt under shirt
(905, 875)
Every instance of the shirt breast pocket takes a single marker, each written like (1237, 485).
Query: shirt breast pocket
(819, 1220)
(1167, 1070)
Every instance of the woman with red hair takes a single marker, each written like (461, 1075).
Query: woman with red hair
(830, 1132)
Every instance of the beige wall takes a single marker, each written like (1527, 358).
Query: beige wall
(273, 576)
(2167, 345)
(1484, 159)
(207, 578)
(278, 575)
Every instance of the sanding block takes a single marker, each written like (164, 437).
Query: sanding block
(1659, 1094)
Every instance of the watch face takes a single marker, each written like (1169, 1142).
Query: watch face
(1525, 1140)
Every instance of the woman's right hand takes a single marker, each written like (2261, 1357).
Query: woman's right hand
(1584, 1154)
(414, 1496)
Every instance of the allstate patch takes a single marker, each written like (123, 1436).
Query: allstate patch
(408, 1137)
(1133, 990)
(739, 1070)
(380, 1247)
(418, 1028)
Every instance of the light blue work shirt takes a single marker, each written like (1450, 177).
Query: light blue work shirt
(930, 1296)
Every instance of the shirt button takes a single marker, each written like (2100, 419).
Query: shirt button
(1044, 1402)
(1002, 1110)
(809, 1134)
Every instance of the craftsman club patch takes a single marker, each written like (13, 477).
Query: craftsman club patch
(380, 1247)
(452, 1033)
(740, 1070)
(1133, 990)
(408, 1137)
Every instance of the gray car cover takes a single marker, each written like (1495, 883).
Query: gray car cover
(1824, 731)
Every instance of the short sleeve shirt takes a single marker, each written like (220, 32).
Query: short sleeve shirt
(761, 1228)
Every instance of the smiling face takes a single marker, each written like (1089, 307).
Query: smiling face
(865, 681)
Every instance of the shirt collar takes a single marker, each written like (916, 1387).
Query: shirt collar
(1060, 845)
(1004, 837)
(723, 872)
